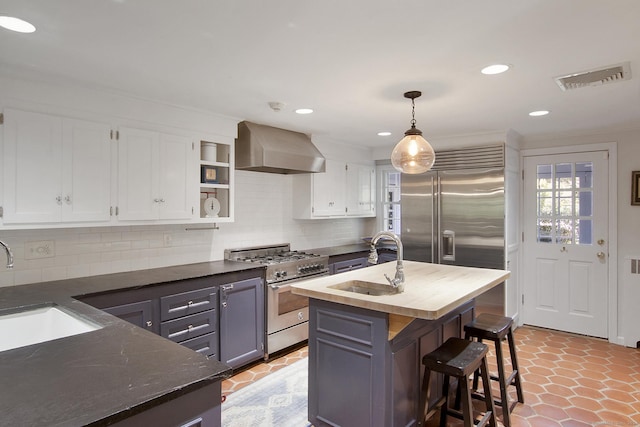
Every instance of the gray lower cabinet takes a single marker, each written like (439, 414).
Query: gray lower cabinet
(360, 377)
(242, 322)
(348, 265)
(139, 313)
(200, 408)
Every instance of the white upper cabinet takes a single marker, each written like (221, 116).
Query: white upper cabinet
(153, 171)
(361, 190)
(55, 169)
(345, 189)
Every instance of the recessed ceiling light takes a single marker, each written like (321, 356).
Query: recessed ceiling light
(384, 133)
(304, 111)
(16, 24)
(495, 69)
(538, 113)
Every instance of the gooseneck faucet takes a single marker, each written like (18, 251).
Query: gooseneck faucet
(9, 254)
(398, 280)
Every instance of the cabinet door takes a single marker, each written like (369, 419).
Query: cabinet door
(242, 328)
(360, 190)
(174, 192)
(139, 313)
(32, 163)
(138, 159)
(329, 191)
(86, 166)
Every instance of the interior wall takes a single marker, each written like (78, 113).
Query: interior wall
(628, 219)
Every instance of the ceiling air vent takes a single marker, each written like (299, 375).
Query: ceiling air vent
(600, 76)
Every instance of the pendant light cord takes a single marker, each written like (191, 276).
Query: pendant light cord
(413, 113)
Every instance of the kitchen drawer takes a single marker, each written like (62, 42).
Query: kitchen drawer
(206, 344)
(191, 326)
(185, 303)
(352, 264)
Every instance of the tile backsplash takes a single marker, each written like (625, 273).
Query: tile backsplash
(262, 216)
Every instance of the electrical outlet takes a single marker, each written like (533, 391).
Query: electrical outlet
(42, 249)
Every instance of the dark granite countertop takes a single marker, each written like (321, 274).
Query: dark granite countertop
(350, 249)
(100, 377)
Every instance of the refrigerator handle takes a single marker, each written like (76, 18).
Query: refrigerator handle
(448, 245)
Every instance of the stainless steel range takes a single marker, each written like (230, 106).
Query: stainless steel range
(287, 314)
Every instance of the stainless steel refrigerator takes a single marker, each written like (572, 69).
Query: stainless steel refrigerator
(454, 214)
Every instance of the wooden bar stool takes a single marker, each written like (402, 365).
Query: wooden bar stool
(496, 328)
(458, 358)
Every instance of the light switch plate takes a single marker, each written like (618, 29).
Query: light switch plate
(41, 249)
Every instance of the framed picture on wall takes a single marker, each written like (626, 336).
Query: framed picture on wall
(635, 188)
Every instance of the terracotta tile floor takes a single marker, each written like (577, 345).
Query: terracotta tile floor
(568, 380)
(262, 369)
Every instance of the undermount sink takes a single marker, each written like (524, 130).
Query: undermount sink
(366, 288)
(37, 325)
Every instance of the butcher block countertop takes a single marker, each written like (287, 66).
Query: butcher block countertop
(430, 291)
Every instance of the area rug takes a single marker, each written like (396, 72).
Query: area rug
(277, 400)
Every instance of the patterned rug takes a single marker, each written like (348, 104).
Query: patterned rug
(277, 400)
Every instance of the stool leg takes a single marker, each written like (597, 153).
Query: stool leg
(486, 385)
(445, 406)
(475, 375)
(504, 397)
(514, 365)
(467, 407)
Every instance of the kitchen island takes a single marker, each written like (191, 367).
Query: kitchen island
(365, 350)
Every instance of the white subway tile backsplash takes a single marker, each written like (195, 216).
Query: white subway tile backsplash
(262, 216)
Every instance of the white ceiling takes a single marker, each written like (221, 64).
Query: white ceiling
(349, 60)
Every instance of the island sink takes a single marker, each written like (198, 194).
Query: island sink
(40, 324)
(366, 288)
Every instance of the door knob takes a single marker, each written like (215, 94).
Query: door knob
(601, 242)
(600, 255)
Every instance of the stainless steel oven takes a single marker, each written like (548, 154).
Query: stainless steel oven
(287, 314)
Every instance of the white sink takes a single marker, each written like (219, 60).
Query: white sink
(38, 325)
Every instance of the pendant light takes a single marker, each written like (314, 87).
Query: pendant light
(413, 154)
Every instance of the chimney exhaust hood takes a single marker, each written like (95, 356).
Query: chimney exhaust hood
(263, 148)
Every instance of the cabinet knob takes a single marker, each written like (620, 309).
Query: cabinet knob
(67, 199)
(149, 323)
(59, 200)
(190, 303)
(190, 327)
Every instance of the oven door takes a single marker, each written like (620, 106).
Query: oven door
(284, 308)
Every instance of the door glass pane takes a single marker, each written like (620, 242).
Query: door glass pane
(545, 203)
(584, 231)
(584, 175)
(564, 177)
(544, 177)
(584, 205)
(564, 203)
(564, 231)
(544, 231)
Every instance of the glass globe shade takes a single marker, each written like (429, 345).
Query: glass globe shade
(413, 155)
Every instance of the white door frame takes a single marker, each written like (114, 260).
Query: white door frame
(612, 148)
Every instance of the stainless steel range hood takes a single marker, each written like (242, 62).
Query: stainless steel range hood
(263, 148)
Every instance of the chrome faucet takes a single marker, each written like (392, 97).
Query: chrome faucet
(9, 254)
(398, 280)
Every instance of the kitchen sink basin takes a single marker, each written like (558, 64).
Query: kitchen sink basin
(40, 324)
(366, 288)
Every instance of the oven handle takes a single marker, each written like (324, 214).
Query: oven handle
(277, 286)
